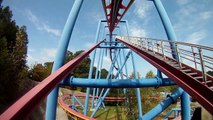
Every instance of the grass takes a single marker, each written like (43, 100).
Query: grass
(111, 112)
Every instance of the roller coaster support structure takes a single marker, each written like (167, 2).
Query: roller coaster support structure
(136, 77)
(163, 105)
(59, 59)
(91, 70)
(185, 100)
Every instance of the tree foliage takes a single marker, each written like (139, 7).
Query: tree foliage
(210, 73)
(150, 74)
(13, 53)
(38, 72)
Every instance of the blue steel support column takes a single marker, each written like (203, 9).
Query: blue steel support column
(91, 69)
(137, 90)
(100, 100)
(136, 77)
(93, 97)
(59, 59)
(185, 107)
(163, 105)
(99, 76)
(96, 76)
(166, 24)
(116, 76)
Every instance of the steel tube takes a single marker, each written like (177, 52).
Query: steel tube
(163, 105)
(52, 98)
(119, 83)
(91, 69)
(171, 36)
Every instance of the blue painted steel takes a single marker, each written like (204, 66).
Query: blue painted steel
(59, 59)
(165, 20)
(163, 105)
(102, 55)
(136, 76)
(93, 97)
(100, 102)
(159, 74)
(171, 36)
(126, 72)
(79, 102)
(119, 83)
(176, 113)
(73, 100)
(91, 69)
(102, 91)
(167, 24)
(109, 80)
(137, 89)
(185, 106)
(96, 76)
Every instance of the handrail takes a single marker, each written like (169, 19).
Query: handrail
(194, 81)
(172, 41)
(196, 58)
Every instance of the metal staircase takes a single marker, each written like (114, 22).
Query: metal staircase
(193, 78)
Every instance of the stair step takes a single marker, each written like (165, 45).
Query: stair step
(175, 65)
(186, 70)
(191, 74)
(173, 62)
(208, 81)
(211, 87)
(199, 77)
(178, 67)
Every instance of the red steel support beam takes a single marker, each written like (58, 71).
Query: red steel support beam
(24, 106)
(196, 89)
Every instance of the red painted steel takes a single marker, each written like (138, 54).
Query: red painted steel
(80, 115)
(71, 111)
(195, 88)
(105, 99)
(21, 108)
(114, 11)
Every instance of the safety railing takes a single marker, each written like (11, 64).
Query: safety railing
(196, 56)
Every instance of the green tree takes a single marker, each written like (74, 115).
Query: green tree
(13, 50)
(210, 73)
(38, 72)
(131, 104)
(48, 68)
(19, 53)
(104, 73)
(150, 74)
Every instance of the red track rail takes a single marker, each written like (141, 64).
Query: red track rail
(114, 11)
(73, 113)
(195, 88)
(24, 106)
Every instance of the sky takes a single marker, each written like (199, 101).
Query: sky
(192, 21)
